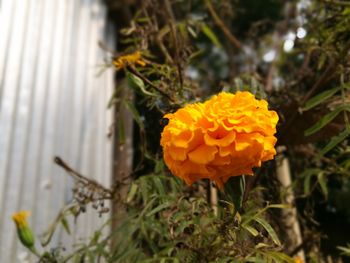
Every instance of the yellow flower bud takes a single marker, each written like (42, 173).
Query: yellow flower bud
(24, 232)
(132, 59)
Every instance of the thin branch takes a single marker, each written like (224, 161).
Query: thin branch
(171, 19)
(165, 30)
(222, 25)
(79, 176)
(133, 70)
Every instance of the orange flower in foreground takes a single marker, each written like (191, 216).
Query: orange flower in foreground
(225, 136)
(133, 59)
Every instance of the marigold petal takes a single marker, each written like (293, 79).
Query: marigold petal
(183, 138)
(203, 154)
(225, 141)
(221, 160)
(177, 153)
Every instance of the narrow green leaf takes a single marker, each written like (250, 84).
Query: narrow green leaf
(211, 35)
(182, 225)
(95, 238)
(130, 106)
(65, 225)
(307, 182)
(113, 100)
(255, 260)
(269, 230)
(335, 141)
(325, 120)
(279, 206)
(191, 31)
(251, 230)
(322, 182)
(345, 164)
(310, 171)
(137, 84)
(318, 99)
(159, 185)
(234, 190)
(345, 250)
(196, 54)
(133, 190)
(307, 175)
(158, 208)
(261, 245)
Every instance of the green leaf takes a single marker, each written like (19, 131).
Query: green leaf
(345, 250)
(325, 120)
(196, 54)
(130, 106)
(322, 182)
(65, 225)
(234, 191)
(318, 99)
(335, 141)
(133, 190)
(261, 245)
(255, 260)
(308, 174)
(113, 100)
(191, 31)
(251, 230)
(136, 83)
(95, 238)
(307, 182)
(211, 35)
(279, 206)
(269, 230)
(158, 208)
(159, 185)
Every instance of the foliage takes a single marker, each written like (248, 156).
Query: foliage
(191, 50)
(167, 222)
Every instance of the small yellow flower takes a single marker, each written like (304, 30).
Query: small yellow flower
(225, 136)
(132, 59)
(20, 218)
(24, 232)
(298, 260)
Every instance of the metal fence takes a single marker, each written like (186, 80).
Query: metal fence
(51, 103)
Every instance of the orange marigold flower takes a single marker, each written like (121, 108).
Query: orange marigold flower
(225, 136)
(132, 59)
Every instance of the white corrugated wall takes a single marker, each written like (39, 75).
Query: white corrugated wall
(51, 103)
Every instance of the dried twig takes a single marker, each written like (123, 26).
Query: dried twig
(79, 176)
(171, 16)
(222, 25)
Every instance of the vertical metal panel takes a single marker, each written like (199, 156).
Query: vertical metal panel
(51, 103)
